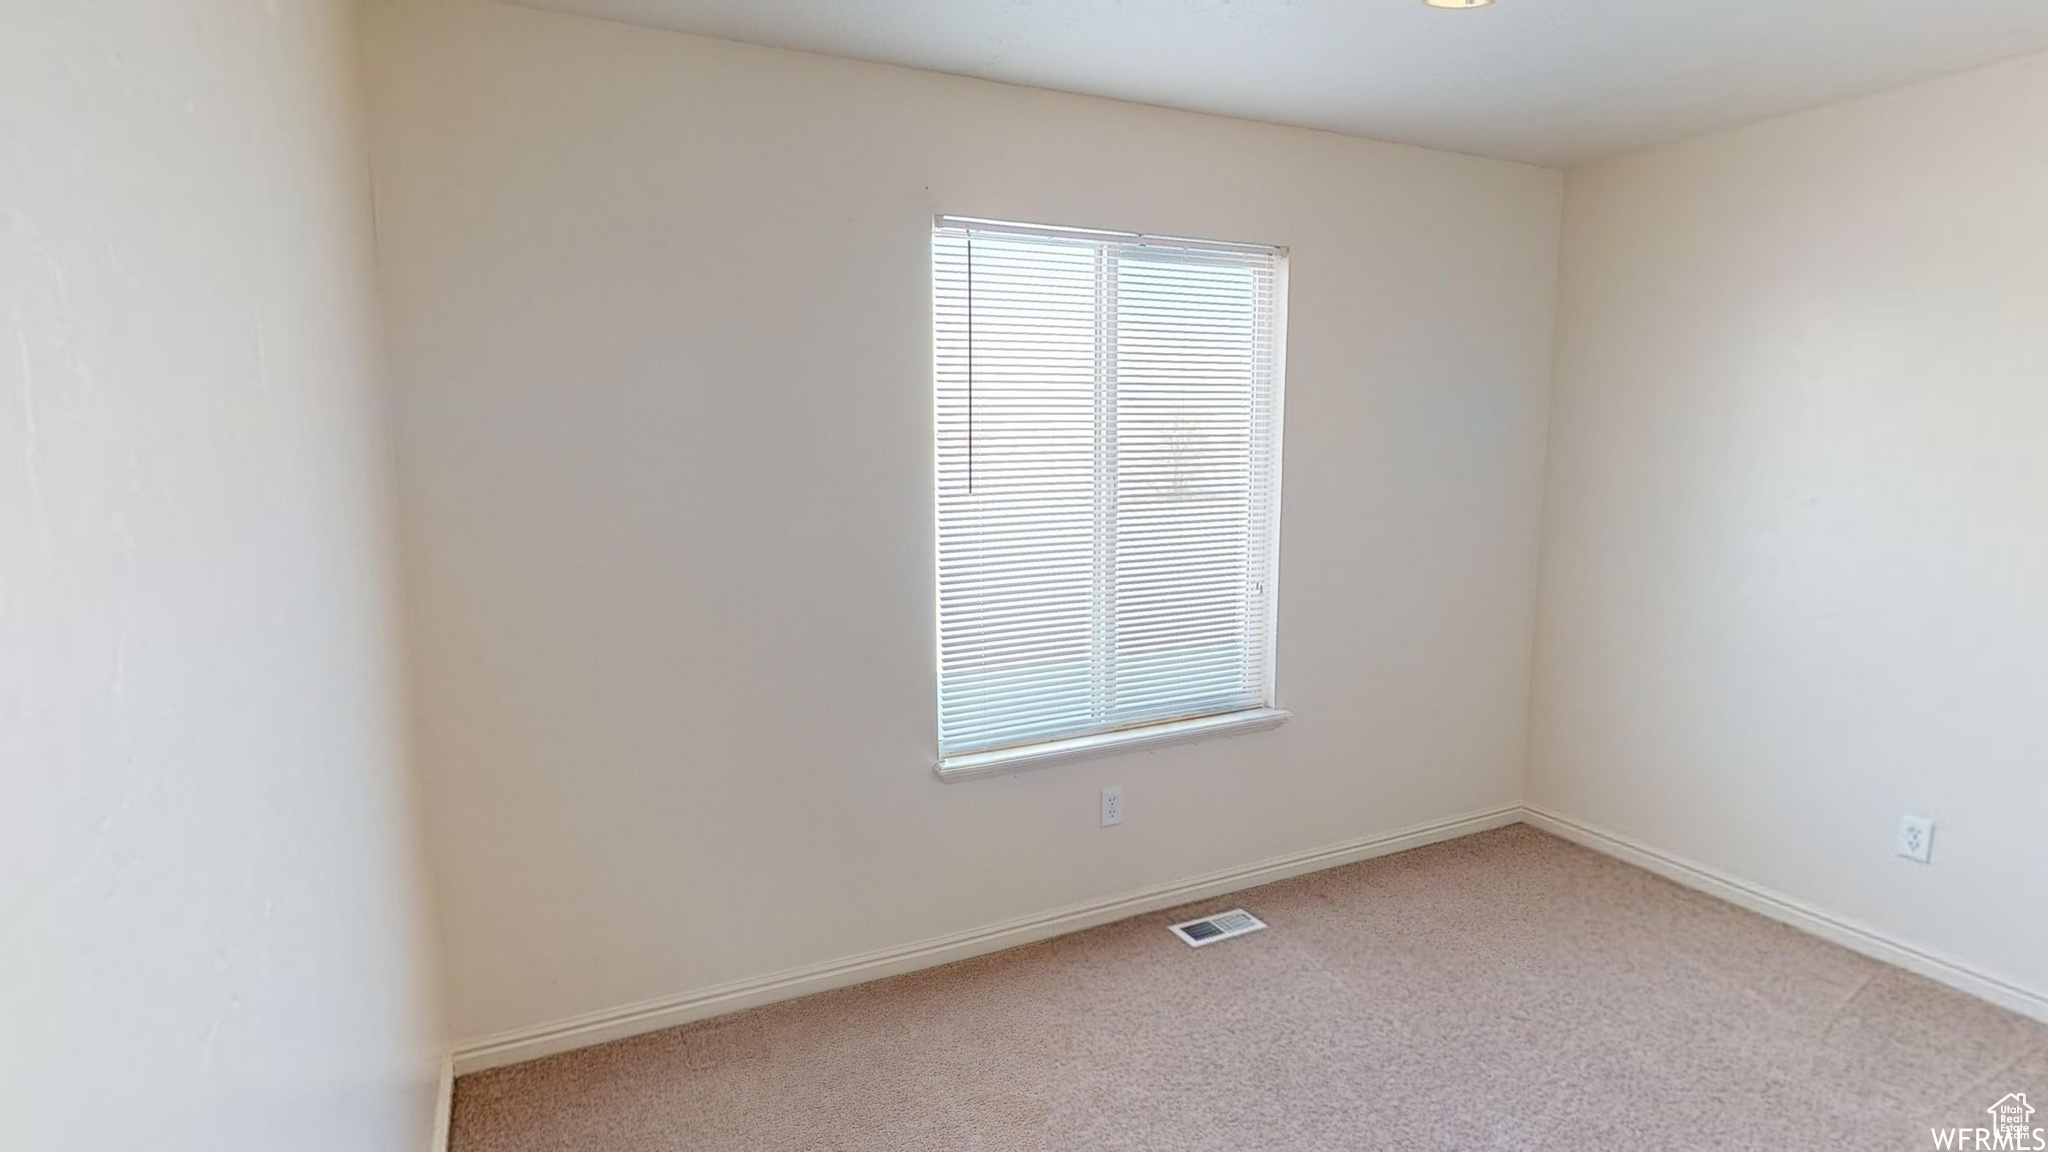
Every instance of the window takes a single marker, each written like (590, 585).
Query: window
(1108, 411)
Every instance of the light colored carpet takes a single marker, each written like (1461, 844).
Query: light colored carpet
(1504, 991)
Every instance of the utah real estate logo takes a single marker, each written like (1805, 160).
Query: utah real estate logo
(2011, 1128)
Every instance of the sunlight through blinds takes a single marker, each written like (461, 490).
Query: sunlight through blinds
(1108, 480)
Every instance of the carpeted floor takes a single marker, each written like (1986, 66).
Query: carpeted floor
(1504, 991)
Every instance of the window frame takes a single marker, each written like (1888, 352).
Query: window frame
(1266, 712)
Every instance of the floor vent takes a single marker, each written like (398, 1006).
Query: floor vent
(1222, 926)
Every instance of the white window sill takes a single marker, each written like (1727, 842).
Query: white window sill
(1001, 760)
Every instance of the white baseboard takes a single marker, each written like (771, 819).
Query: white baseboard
(444, 1105)
(1871, 942)
(652, 1015)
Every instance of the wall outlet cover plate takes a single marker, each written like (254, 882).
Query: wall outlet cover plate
(1915, 840)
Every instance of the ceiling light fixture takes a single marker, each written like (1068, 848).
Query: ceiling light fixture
(1457, 3)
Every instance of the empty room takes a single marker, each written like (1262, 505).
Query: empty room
(947, 575)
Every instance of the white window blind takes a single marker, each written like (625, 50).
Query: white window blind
(1108, 480)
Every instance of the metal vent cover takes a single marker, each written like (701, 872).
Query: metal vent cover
(1221, 926)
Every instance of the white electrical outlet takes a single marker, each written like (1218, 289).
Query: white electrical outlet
(1112, 806)
(1916, 838)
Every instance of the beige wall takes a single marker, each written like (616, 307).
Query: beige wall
(660, 316)
(1796, 544)
(209, 933)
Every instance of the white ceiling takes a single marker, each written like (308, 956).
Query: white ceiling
(1547, 81)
